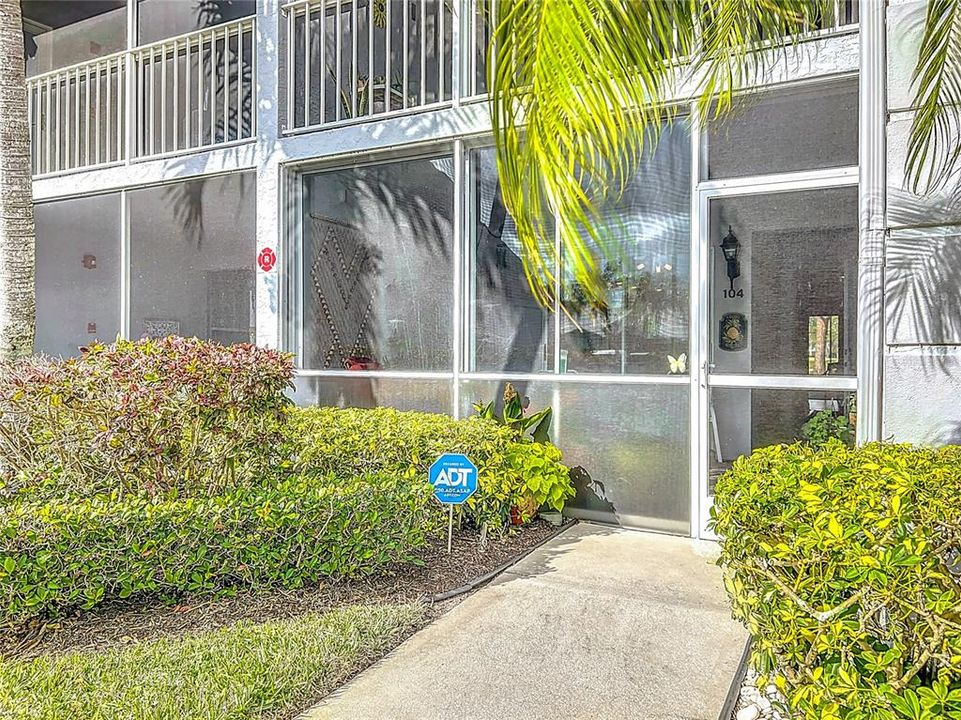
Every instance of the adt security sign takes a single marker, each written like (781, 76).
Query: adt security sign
(454, 478)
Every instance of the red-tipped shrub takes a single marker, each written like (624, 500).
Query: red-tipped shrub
(174, 415)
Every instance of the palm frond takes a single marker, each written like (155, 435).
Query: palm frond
(740, 40)
(580, 90)
(575, 100)
(934, 148)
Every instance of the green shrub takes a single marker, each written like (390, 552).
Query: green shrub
(545, 482)
(514, 416)
(345, 442)
(824, 425)
(845, 566)
(160, 468)
(78, 553)
(149, 416)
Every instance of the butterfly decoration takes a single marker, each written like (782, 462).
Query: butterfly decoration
(678, 364)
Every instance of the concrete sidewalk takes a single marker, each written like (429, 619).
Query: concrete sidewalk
(597, 623)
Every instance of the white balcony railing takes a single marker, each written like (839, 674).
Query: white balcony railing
(343, 61)
(186, 93)
(196, 90)
(350, 59)
(77, 116)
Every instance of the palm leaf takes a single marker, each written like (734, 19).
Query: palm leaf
(542, 425)
(740, 40)
(580, 90)
(933, 145)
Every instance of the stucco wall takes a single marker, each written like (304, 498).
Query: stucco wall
(922, 275)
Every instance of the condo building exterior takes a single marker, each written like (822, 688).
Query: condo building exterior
(318, 176)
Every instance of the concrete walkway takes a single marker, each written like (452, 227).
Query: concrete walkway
(598, 623)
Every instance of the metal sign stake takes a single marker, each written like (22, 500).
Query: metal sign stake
(450, 528)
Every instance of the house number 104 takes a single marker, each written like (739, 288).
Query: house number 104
(739, 293)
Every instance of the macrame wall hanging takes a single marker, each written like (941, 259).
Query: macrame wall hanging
(340, 300)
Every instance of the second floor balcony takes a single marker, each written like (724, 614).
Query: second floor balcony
(115, 81)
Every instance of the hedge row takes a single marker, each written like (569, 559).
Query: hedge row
(346, 442)
(845, 566)
(158, 468)
(63, 554)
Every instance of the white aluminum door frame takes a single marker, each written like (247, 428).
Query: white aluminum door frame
(702, 379)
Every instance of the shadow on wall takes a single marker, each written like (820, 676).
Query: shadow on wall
(509, 325)
(923, 276)
(187, 198)
(922, 316)
(949, 434)
(591, 494)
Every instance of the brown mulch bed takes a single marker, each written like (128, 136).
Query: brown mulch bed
(108, 625)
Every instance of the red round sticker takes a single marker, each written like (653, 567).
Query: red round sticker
(267, 259)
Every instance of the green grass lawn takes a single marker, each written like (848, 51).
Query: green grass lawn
(238, 672)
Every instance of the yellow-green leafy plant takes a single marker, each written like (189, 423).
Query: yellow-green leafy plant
(349, 441)
(824, 425)
(546, 482)
(845, 565)
(514, 417)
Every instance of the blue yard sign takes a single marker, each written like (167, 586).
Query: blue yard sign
(454, 478)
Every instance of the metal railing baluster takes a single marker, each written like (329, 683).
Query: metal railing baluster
(439, 49)
(121, 98)
(153, 103)
(307, 69)
(225, 83)
(290, 68)
(31, 124)
(187, 108)
(339, 49)
(97, 101)
(46, 127)
(163, 98)
(86, 117)
(388, 26)
(175, 115)
(322, 74)
(200, 91)
(57, 133)
(212, 90)
(107, 137)
(405, 82)
(423, 52)
(239, 74)
(354, 71)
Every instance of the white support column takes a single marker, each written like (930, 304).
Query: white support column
(125, 330)
(270, 217)
(699, 337)
(457, 314)
(872, 203)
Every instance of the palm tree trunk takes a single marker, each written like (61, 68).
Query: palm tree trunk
(17, 294)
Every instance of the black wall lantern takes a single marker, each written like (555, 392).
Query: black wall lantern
(730, 246)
